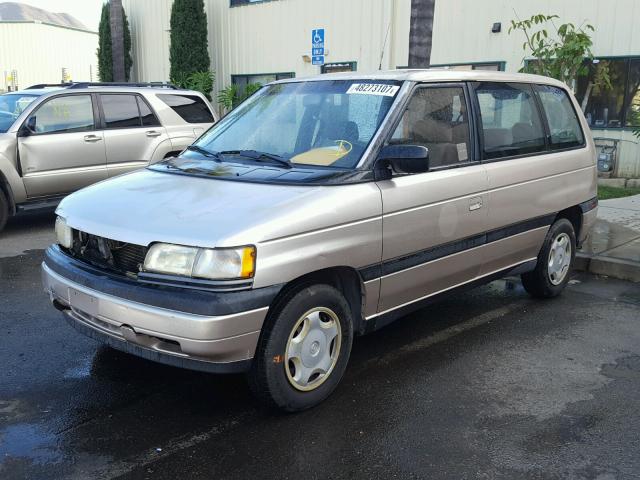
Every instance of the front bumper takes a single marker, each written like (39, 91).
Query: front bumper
(219, 343)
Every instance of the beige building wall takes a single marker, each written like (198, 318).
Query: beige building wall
(462, 34)
(39, 51)
(272, 37)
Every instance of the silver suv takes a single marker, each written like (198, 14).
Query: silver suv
(325, 208)
(55, 139)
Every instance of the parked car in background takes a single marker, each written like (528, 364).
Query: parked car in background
(55, 139)
(324, 208)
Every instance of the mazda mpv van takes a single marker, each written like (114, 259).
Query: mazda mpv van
(322, 209)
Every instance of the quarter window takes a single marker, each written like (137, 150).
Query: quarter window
(192, 109)
(146, 115)
(564, 127)
(436, 118)
(120, 111)
(69, 113)
(510, 121)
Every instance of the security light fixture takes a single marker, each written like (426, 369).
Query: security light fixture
(496, 27)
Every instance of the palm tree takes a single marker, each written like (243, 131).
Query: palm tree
(117, 40)
(420, 33)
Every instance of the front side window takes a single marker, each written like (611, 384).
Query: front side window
(11, 106)
(322, 123)
(120, 111)
(564, 127)
(68, 113)
(436, 118)
(192, 109)
(511, 124)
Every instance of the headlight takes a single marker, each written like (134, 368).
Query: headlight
(64, 234)
(213, 264)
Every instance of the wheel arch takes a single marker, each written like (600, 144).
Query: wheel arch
(574, 215)
(345, 279)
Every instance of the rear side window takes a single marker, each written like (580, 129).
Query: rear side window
(564, 127)
(120, 111)
(511, 123)
(192, 109)
(436, 117)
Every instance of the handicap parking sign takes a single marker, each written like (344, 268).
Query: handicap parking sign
(317, 46)
(317, 38)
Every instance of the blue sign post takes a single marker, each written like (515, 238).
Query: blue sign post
(317, 46)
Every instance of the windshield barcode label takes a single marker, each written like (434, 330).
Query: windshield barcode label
(374, 89)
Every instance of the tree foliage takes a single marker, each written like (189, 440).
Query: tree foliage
(199, 81)
(560, 54)
(105, 51)
(188, 52)
(105, 60)
(231, 95)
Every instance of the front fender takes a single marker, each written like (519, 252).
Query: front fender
(12, 181)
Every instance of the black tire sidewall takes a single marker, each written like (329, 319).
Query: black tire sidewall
(280, 391)
(4, 210)
(538, 281)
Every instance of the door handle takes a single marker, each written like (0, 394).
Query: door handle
(475, 204)
(92, 138)
(153, 133)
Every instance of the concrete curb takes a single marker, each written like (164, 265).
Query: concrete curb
(611, 267)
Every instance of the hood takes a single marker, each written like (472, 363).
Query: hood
(148, 206)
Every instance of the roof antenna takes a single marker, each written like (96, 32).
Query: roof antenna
(384, 46)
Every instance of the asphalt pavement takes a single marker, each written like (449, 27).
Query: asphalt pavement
(490, 384)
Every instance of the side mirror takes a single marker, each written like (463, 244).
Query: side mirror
(402, 159)
(28, 127)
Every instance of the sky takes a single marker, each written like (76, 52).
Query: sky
(87, 11)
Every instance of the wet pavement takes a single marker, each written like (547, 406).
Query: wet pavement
(491, 384)
(616, 233)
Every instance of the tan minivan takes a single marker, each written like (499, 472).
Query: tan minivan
(324, 208)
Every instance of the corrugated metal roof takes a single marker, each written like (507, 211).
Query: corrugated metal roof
(20, 12)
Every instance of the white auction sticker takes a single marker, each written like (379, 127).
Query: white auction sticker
(374, 89)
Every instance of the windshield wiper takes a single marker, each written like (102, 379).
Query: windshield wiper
(259, 156)
(207, 153)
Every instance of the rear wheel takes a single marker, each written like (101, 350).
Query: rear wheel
(4, 210)
(304, 348)
(555, 261)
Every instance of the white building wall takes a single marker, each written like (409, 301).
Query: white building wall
(39, 52)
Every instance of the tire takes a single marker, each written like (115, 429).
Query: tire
(548, 280)
(4, 210)
(296, 339)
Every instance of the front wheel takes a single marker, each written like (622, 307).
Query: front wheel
(555, 261)
(304, 348)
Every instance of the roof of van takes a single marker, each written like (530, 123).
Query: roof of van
(434, 75)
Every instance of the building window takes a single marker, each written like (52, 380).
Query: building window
(339, 67)
(242, 81)
(237, 3)
(492, 66)
(615, 107)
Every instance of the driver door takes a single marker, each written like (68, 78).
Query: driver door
(64, 151)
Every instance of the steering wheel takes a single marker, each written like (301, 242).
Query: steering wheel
(342, 146)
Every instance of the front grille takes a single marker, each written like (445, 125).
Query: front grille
(113, 255)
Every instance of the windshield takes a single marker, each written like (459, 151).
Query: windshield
(11, 106)
(321, 123)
